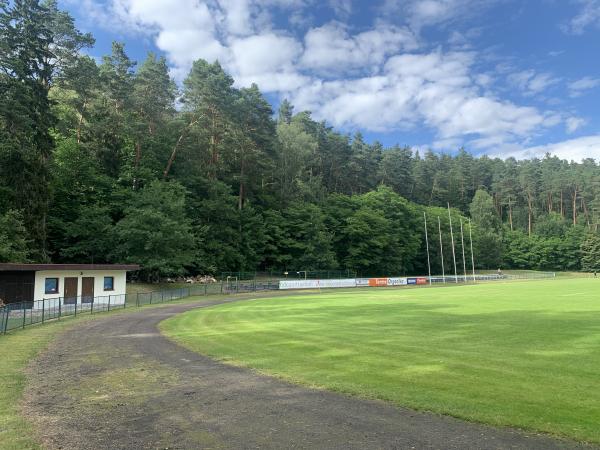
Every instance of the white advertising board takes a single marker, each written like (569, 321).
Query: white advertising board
(362, 282)
(316, 284)
(397, 282)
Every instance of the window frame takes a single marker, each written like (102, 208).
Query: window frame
(56, 290)
(112, 284)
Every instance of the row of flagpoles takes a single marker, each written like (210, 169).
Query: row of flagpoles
(462, 239)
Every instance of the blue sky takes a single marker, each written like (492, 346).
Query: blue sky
(500, 77)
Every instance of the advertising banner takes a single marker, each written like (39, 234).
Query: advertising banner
(411, 281)
(316, 284)
(361, 282)
(422, 280)
(347, 282)
(378, 282)
(396, 281)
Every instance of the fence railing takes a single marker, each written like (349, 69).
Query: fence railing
(24, 314)
(491, 277)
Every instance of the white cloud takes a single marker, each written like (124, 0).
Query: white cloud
(236, 15)
(574, 123)
(377, 79)
(264, 53)
(588, 16)
(331, 48)
(423, 13)
(577, 88)
(267, 60)
(342, 8)
(434, 89)
(532, 83)
(571, 150)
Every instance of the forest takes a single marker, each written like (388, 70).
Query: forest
(112, 161)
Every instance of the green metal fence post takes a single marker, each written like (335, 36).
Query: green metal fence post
(205, 288)
(59, 308)
(137, 299)
(75, 307)
(237, 286)
(109, 302)
(23, 306)
(221, 286)
(43, 308)
(6, 312)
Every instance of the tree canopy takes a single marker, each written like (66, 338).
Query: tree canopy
(113, 162)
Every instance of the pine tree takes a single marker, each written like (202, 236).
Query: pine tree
(590, 253)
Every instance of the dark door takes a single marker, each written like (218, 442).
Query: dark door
(87, 290)
(16, 287)
(70, 291)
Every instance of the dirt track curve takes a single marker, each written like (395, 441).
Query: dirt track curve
(116, 383)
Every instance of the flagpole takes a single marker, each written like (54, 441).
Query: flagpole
(441, 249)
(472, 258)
(427, 244)
(462, 243)
(453, 252)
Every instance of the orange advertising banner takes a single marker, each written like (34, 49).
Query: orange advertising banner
(421, 280)
(375, 282)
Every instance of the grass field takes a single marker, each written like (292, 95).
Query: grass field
(523, 354)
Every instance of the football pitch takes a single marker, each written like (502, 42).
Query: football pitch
(523, 354)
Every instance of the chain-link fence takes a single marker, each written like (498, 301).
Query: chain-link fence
(24, 314)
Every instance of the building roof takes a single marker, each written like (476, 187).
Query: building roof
(36, 267)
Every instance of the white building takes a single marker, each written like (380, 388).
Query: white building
(67, 284)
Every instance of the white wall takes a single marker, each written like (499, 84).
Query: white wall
(117, 296)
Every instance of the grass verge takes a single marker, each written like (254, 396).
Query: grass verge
(17, 349)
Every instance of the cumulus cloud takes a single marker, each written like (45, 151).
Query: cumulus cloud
(380, 79)
(331, 48)
(434, 88)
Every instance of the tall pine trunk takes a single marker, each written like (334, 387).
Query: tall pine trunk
(529, 213)
(510, 216)
(575, 190)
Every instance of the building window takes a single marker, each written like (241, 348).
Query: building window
(51, 285)
(109, 283)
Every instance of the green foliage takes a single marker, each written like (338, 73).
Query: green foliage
(383, 234)
(38, 43)
(295, 149)
(590, 253)
(155, 232)
(483, 212)
(14, 246)
(81, 143)
(307, 242)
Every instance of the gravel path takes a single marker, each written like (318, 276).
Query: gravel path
(116, 383)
